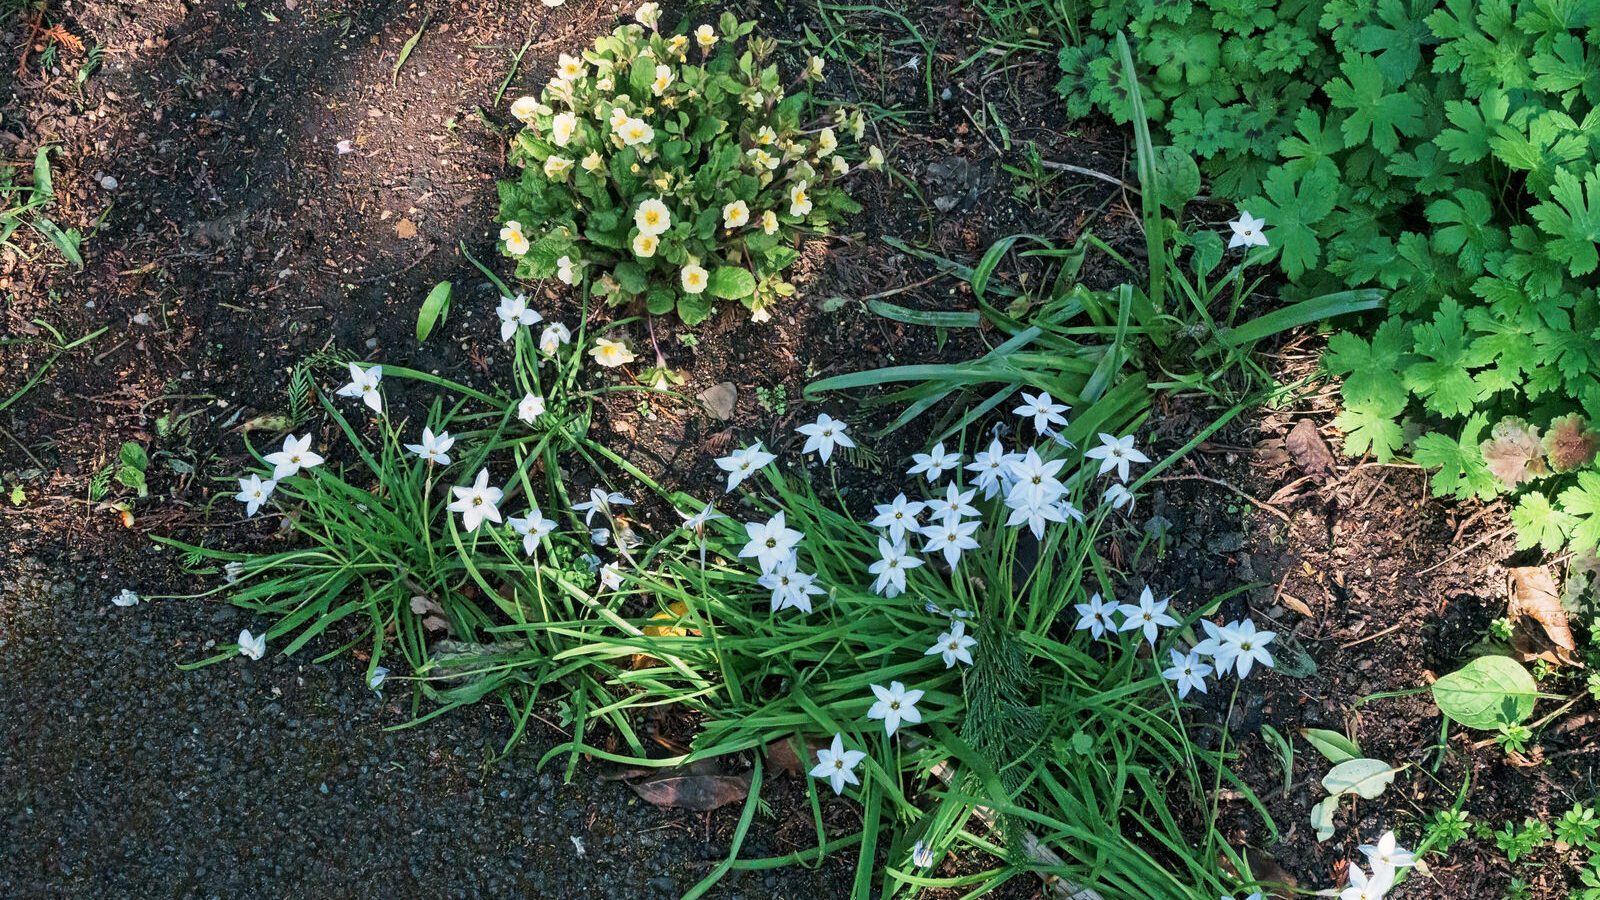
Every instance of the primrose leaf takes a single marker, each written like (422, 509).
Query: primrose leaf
(1366, 778)
(1486, 693)
(731, 282)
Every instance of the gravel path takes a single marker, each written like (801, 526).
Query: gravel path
(123, 776)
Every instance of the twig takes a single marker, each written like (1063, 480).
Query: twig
(1262, 504)
(1371, 637)
(1491, 536)
(1090, 173)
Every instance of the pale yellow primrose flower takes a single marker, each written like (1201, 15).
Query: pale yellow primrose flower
(769, 222)
(765, 136)
(516, 242)
(874, 158)
(652, 217)
(637, 131)
(840, 167)
(678, 45)
(827, 142)
(593, 162)
(693, 278)
(570, 66)
(649, 15)
(523, 109)
(566, 273)
(762, 159)
(663, 80)
(644, 245)
(814, 68)
(735, 214)
(562, 128)
(706, 37)
(557, 166)
(799, 200)
(611, 353)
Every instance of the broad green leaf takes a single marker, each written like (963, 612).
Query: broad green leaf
(1335, 747)
(1322, 816)
(1582, 503)
(731, 283)
(1376, 115)
(1366, 778)
(1486, 693)
(1572, 218)
(435, 308)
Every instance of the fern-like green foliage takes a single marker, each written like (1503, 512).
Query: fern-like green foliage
(1445, 150)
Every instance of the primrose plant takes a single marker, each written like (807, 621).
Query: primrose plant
(669, 170)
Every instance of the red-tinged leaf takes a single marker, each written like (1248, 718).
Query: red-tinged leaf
(701, 793)
(1514, 452)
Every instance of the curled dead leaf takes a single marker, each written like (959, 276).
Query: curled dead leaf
(1540, 629)
(1310, 451)
(699, 792)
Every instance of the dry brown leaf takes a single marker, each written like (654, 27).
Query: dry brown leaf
(782, 757)
(701, 793)
(1310, 451)
(405, 229)
(674, 612)
(1295, 604)
(1539, 624)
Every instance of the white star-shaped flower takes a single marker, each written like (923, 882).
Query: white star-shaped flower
(364, 386)
(837, 765)
(954, 645)
(477, 502)
(895, 705)
(744, 462)
(823, 435)
(435, 448)
(1247, 231)
(295, 455)
(1116, 453)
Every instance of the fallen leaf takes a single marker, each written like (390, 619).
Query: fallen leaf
(1309, 451)
(1295, 604)
(1265, 869)
(720, 399)
(781, 756)
(701, 793)
(405, 229)
(1539, 623)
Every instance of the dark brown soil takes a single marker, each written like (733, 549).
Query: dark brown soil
(227, 239)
